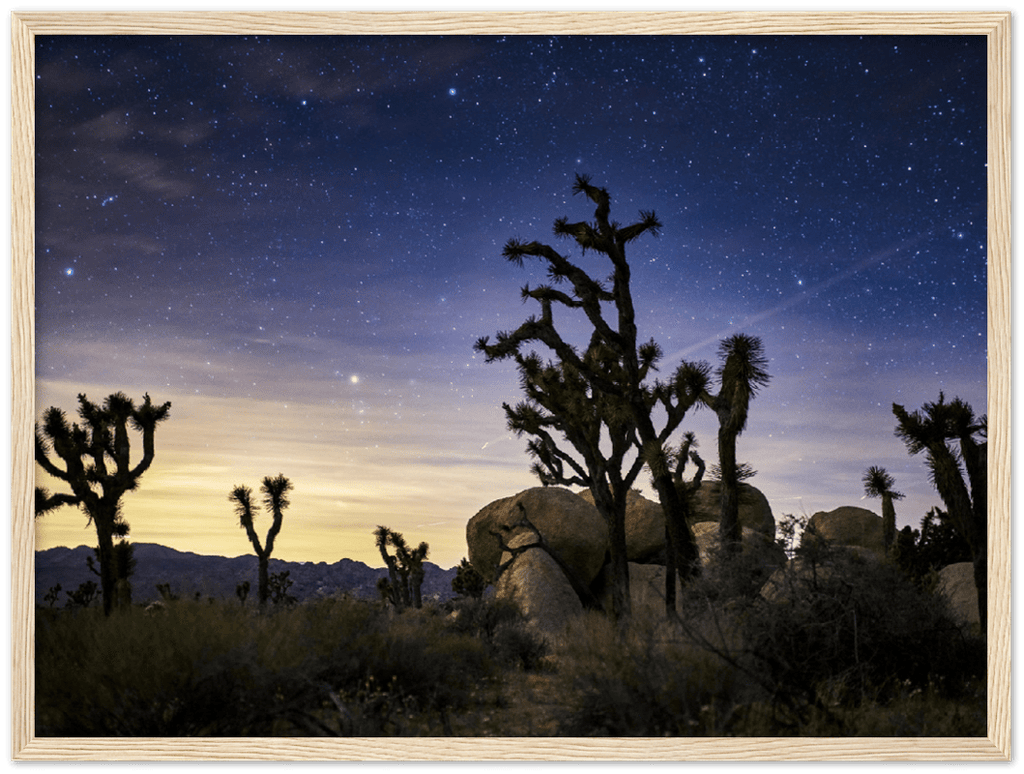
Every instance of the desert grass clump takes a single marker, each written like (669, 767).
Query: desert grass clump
(642, 680)
(194, 669)
(501, 626)
(332, 667)
(404, 674)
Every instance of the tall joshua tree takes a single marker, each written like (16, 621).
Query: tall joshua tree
(94, 459)
(404, 584)
(275, 490)
(742, 373)
(674, 527)
(878, 483)
(604, 389)
(936, 429)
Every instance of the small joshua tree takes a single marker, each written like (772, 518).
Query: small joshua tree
(467, 581)
(960, 475)
(279, 584)
(242, 591)
(274, 491)
(403, 586)
(878, 483)
(83, 595)
(52, 595)
(676, 523)
(93, 459)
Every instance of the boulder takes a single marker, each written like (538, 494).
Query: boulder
(537, 584)
(755, 512)
(846, 526)
(956, 585)
(569, 527)
(805, 572)
(759, 549)
(645, 528)
(646, 588)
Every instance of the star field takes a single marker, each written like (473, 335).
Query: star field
(296, 240)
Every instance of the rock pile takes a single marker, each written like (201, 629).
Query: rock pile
(546, 548)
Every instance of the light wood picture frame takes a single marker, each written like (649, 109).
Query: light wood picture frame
(994, 26)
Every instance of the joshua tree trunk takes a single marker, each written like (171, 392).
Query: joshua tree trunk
(730, 531)
(108, 569)
(263, 584)
(888, 523)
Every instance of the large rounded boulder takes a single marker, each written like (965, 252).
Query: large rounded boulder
(754, 512)
(762, 552)
(956, 585)
(537, 584)
(569, 528)
(848, 526)
(645, 528)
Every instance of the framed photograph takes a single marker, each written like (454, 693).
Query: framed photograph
(307, 307)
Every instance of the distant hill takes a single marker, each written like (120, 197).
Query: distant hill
(218, 576)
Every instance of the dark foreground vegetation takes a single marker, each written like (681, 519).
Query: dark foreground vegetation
(858, 652)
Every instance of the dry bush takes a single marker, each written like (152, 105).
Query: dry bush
(336, 666)
(642, 681)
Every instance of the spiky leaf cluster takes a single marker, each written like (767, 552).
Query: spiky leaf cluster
(879, 483)
(275, 490)
(95, 454)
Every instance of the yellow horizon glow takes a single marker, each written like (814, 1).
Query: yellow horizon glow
(424, 478)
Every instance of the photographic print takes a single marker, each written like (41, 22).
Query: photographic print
(483, 389)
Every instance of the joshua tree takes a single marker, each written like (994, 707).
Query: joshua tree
(274, 491)
(52, 594)
(932, 430)
(83, 456)
(601, 391)
(242, 591)
(279, 583)
(742, 373)
(878, 483)
(467, 581)
(675, 526)
(404, 585)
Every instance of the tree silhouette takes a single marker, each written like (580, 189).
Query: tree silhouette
(742, 373)
(601, 392)
(878, 483)
(404, 583)
(467, 581)
(274, 491)
(678, 522)
(93, 459)
(934, 429)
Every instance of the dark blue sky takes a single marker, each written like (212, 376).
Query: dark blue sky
(297, 240)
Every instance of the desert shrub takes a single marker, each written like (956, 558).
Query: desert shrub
(642, 681)
(501, 626)
(405, 674)
(168, 675)
(335, 666)
(851, 630)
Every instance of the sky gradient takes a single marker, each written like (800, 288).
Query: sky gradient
(297, 240)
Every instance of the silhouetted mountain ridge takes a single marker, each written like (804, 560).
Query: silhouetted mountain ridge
(219, 576)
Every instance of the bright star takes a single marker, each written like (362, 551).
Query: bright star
(354, 378)
(69, 271)
(452, 92)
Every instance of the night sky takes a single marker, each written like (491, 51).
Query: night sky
(297, 240)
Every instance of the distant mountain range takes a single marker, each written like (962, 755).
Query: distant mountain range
(218, 576)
